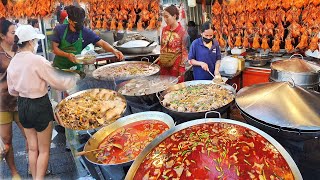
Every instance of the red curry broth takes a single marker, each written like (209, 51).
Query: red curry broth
(133, 138)
(214, 151)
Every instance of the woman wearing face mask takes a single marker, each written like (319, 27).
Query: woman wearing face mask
(70, 39)
(8, 103)
(173, 44)
(205, 55)
(28, 77)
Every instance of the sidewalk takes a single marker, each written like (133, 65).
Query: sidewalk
(61, 163)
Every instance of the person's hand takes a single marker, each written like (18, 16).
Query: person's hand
(217, 76)
(204, 66)
(118, 54)
(72, 57)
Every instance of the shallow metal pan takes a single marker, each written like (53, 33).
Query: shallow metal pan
(98, 137)
(112, 65)
(147, 98)
(62, 123)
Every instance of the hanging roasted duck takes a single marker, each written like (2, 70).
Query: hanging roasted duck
(288, 43)
(303, 43)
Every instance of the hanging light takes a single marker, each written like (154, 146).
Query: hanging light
(192, 3)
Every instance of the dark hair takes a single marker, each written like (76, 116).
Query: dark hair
(75, 13)
(4, 26)
(192, 24)
(205, 26)
(16, 46)
(172, 10)
(34, 22)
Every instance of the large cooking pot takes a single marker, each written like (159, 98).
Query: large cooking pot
(98, 137)
(281, 109)
(148, 86)
(186, 116)
(136, 50)
(220, 127)
(98, 73)
(296, 69)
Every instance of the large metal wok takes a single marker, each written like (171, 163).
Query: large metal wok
(134, 167)
(281, 109)
(73, 123)
(136, 50)
(186, 116)
(98, 137)
(100, 76)
(148, 97)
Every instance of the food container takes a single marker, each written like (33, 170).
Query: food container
(214, 149)
(85, 59)
(296, 70)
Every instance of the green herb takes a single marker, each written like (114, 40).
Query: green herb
(191, 134)
(184, 152)
(165, 177)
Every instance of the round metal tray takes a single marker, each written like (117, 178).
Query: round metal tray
(112, 65)
(61, 103)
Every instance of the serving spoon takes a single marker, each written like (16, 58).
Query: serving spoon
(111, 144)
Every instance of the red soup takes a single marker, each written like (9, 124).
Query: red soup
(125, 143)
(214, 151)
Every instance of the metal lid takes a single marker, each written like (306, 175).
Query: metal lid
(292, 65)
(282, 105)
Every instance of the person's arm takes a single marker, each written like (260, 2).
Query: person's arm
(218, 62)
(57, 79)
(58, 52)
(11, 88)
(107, 47)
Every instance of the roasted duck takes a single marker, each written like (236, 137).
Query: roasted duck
(314, 42)
(264, 44)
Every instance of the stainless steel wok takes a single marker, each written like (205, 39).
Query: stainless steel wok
(96, 75)
(69, 125)
(281, 109)
(98, 137)
(186, 116)
(134, 167)
(148, 98)
(135, 50)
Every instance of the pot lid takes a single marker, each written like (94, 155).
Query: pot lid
(282, 105)
(292, 65)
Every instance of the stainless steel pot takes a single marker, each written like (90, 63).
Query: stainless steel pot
(186, 116)
(136, 164)
(281, 109)
(98, 137)
(294, 69)
(148, 98)
(136, 50)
